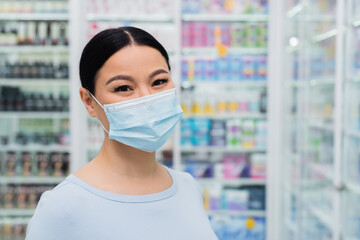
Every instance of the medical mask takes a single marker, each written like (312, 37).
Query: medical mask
(145, 123)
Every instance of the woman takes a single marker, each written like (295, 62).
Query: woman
(124, 193)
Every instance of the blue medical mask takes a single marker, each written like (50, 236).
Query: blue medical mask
(145, 123)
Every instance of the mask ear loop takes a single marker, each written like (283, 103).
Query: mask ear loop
(102, 108)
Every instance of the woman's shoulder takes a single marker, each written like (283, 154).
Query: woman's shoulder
(182, 177)
(52, 212)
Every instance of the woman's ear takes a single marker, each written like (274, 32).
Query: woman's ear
(88, 101)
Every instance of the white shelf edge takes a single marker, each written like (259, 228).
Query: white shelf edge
(206, 51)
(35, 16)
(353, 187)
(356, 22)
(352, 133)
(311, 83)
(240, 83)
(225, 17)
(324, 218)
(34, 81)
(288, 223)
(232, 182)
(318, 168)
(226, 116)
(326, 35)
(129, 18)
(319, 18)
(22, 114)
(33, 147)
(245, 213)
(34, 49)
(322, 126)
(31, 180)
(12, 221)
(16, 212)
(294, 11)
(221, 149)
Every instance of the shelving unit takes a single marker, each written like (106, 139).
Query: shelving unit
(15, 122)
(237, 213)
(326, 142)
(34, 16)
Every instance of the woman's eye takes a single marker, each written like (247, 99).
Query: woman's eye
(160, 82)
(123, 88)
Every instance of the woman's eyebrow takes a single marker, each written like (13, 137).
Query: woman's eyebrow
(156, 72)
(120, 77)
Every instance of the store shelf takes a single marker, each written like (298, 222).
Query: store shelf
(320, 18)
(16, 212)
(34, 49)
(311, 83)
(324, 170)
(213, 51)
(352, 133)
(130, 18)
(290, 225)
(32, 147)
(35, 81)
(221, 149)
(34, 16)
(294, 11)
(322, 216)
(17, 220)
(354, 187)
(31, 180)
(227, 116)
(325, 35)
(225, 17)
(229, 84)
(247, 213)
(353, 80)
(232, 182)
(49, 114)
(356, 21)
(322, 126)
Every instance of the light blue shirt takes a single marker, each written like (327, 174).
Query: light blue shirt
(75, 210)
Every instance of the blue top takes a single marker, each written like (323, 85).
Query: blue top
(75, 210)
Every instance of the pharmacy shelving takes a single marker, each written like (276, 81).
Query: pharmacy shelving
(228, 84)
(233, 182)
(215, 149)
(34, 49)
(31, 180)
(324, 217)
(225, 17)
(129, 18)
(220, 116)
(33, 147)
(353, 187)
(212, 51)
(245, 213)
(352, 133)
(54, 18)
(34, 16)
(236, 87)
(50, 115)
(17, 212)
(326, 141)
(39, 82)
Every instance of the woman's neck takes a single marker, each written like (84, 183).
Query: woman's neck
(123, 161)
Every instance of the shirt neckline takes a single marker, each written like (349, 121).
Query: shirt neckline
(127, 198)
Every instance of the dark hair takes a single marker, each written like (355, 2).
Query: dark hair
(104, 44)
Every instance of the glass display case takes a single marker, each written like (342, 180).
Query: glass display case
(351, 130)
(321, 137)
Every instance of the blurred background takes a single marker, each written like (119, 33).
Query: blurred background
(270, 91)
